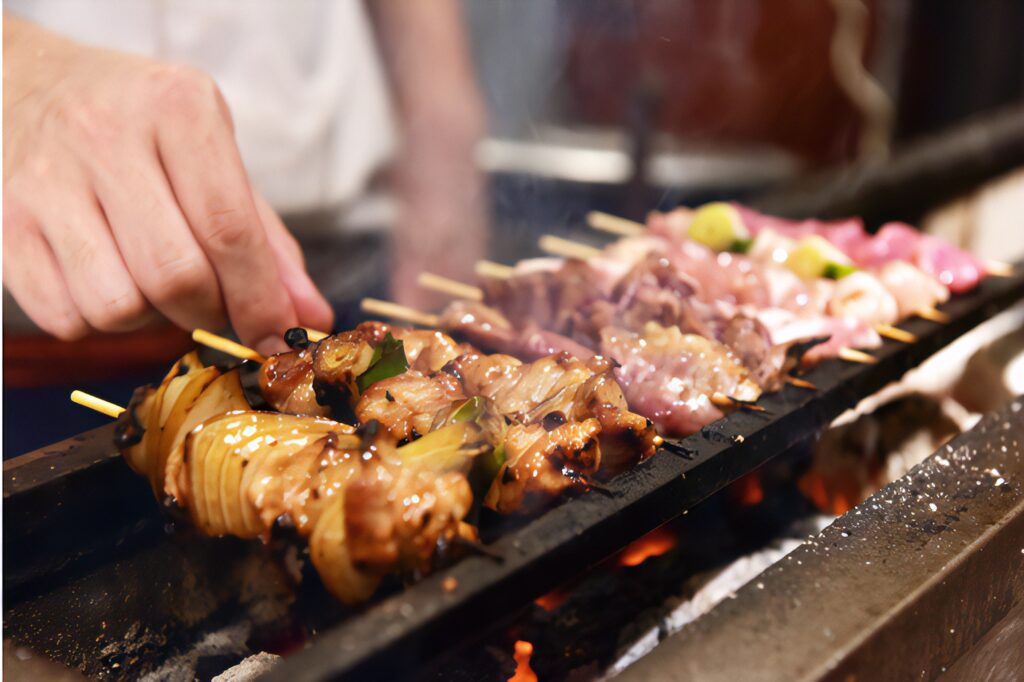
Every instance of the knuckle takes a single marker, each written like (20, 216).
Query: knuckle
(115, 312)
(176, 278)
(182, 89)
(227, 231)
(90, 121)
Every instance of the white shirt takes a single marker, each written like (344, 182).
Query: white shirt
(302, 78)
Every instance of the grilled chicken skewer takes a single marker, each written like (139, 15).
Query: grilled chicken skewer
(558, 422)
(565, 248)
(366, 507)
(701, 377)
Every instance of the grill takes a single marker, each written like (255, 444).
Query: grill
(93, 580)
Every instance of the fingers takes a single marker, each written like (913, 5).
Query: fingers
(34, 278)
(206, 173)
(159, 249)
(96, 276)
(312, 308)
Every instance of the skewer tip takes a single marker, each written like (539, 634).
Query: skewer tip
(612, 224)
(895, 333)
(396, 311)
(854, 355)
(445, 285)
(998, 268)
(486, 268)
(98, 404)
(934, 315)
(800, 383)
(566, 248)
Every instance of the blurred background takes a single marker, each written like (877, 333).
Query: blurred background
(890, 109)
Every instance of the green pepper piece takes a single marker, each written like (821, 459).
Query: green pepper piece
(388, 360)
(835, 270)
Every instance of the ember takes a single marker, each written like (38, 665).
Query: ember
(523, 652)
(655, 543)
(553, 599)
(748, 489)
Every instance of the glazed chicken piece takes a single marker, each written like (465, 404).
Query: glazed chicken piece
(410, 404)
(559, 421)
(289, 381)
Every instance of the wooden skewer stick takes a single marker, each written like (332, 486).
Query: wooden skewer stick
(998, 268)
(934, 315)
(99, 404)
(854, 355)
(486, 268)
(800, 383)
(394, 311)
(895, 333)
(315, 335)
(722, 400)
(205, 338)
(444, 285)
(566, 248)
(613, 224)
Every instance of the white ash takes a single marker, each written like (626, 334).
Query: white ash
(250, 668)
(226, 643)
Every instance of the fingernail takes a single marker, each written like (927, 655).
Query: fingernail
(271, 345)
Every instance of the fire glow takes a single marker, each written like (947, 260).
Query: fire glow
(829, 497)
(655, 543)
(522, 653)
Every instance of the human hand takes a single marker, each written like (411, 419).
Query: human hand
(125, 197)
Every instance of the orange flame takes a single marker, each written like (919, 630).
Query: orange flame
(655, 543)
(832, 496)
(524, 673)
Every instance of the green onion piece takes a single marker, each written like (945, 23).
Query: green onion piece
(388, 360)
(450, 448)
(468, 411)
(835, 270)
(741, 246)
(485, 469)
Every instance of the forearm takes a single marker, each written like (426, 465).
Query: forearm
(427, 59)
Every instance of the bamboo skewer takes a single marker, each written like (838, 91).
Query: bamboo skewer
(933, 315)
(800, 383)
(315, 335)
(727, 401)
(854, 355)
(444, 285)
(450, 286)
(99, 404)
(395, 311)
(566, 248)
(612, 224)
(486, 268)
(895, 333)
(205, 338)
(998, 268)
(453, 287)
